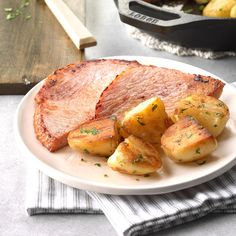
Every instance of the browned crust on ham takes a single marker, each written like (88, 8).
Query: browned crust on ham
(53, 92)
(194, 84)
(52, 80)
(43, 135)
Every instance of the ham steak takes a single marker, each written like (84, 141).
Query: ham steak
(143, 82)
(69, 96)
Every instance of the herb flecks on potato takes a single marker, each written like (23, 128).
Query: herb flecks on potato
(212, 113)
(98, 137)
(148, 121)
(135, 157)
(187, 141)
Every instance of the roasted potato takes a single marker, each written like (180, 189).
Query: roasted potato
(233, 12)
(187, 141)
(135, 157)
(148, 121)
(212, 113)
(98, 137)
(219, 8)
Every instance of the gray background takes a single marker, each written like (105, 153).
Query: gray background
(103, 22)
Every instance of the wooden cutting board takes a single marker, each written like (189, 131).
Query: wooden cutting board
(30, 49)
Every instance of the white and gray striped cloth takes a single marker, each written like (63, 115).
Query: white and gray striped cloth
(133, 215)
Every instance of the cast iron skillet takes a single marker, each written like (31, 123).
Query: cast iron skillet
(194, 31)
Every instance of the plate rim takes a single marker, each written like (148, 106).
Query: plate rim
(89, 185)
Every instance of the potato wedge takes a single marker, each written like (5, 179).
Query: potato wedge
(212, 113)
(148, 121)
(135, 157)
(187, 141)
(219, 8)
(98, 137)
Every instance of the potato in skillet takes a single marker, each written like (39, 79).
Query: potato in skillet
(219, 8)
(233, 12)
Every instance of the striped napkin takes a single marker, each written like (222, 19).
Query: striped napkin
(133, 215)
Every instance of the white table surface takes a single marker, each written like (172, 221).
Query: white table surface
(102, 20)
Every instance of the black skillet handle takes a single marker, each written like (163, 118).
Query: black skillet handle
(150, 17)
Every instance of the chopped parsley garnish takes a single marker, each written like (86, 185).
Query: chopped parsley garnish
(201, 162)
(221, 104)
(82, 159)
(121, 162)
(105, 175)
(139, 158)
(191, 118)
(86, 151)
(203, 105)
(154, 107)
(24, 3)
(207, 113)
(8, 9)
(201, 7)
(219, 114)
(182, 110)
(188, 135)
(201, 127)
(139, 120)
(187, 102)
(178, 141)
(97, 164)
(12, 14)
(28, 17)
(113, 117)
(198, 150)
(93, 131)
(189, 10)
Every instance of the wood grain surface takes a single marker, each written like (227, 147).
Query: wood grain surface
(31, 49)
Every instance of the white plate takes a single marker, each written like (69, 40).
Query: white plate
(66, 166)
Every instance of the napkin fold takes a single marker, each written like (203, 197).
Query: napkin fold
(133, 215)
(141, 215)
(45, 195)
(161, 45)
